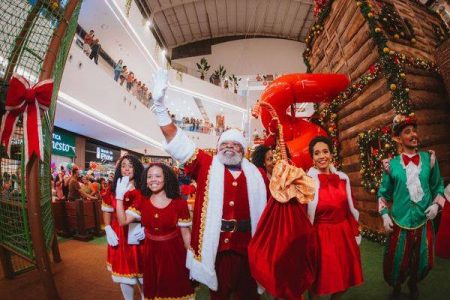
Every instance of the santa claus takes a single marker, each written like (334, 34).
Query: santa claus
(231, 196)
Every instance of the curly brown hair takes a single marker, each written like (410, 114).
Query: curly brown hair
(171, 186)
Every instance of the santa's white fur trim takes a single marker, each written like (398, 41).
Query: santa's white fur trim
(108, 209)
(180, 147)
(232, 135)
(204, 270)
(314, 174)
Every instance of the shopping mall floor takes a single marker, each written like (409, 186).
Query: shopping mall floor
(82, 275)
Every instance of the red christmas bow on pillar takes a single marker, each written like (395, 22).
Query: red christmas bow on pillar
(21, 98)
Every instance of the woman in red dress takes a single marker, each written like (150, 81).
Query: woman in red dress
(335, 219)
(443, 235)
(165, 219)
(123, 260)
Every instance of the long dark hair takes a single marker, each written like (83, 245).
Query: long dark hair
(259, 156)
(137, 167)
(171, 186)
(320, 139)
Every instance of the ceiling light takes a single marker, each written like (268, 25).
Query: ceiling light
(149, 23)
(163, 52)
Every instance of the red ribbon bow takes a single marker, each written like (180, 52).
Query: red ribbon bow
(21, 98)
(415, 159)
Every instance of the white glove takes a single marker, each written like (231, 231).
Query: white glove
(358, 239)
(387, 223)
(111, 236)
(140, 235)
(159, 87)
(159, 92)
(432, 211)
(122, 186)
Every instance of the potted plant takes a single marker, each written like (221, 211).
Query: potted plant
(234, 82)
(222, 72)
(216, 77)
(203, 67)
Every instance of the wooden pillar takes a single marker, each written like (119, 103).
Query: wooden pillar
(32, 169)
(5, 259)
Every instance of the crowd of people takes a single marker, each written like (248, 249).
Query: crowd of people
(197, 125)
(122, 75)
(71, 185)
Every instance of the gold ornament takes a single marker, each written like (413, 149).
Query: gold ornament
(393, 87)
(378, 29)
(358, 3)
(396, 36)
(407, 90)
(413, 40)
(392, 52)
(402, 75)
(387, 146)
(370, 15)
(372, 191)
(386, 50)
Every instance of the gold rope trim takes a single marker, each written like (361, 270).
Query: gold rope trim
(132, 275)
(188, 220)
(106, 205)
(203, 219)
(134, 210)
(193, 157)
(187, 297)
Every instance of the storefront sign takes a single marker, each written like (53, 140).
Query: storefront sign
(63, 143)
(104, 154)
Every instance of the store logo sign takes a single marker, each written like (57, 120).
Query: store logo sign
(63, 144)
(104, 154)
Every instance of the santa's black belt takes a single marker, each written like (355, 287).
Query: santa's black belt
(235, 226)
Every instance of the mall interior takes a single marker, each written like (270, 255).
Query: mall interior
(281, 72)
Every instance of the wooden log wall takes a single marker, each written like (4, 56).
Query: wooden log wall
(346, 46)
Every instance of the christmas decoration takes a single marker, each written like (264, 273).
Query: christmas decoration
(440, 34)
(374, 236)
(374, 146)
(27, 100)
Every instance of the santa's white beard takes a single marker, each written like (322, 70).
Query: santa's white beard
(230, 160)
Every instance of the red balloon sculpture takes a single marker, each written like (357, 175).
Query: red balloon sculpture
(288, 90)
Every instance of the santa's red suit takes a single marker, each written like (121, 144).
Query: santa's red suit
(226, 212)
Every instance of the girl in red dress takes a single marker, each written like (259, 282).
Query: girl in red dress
(335, 218)
(165, 219)
(123, 260)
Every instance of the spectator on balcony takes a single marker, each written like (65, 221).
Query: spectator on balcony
(87, 42)
(117, 69)
(95, 47)
(123, 75)
(134, 89)
(130, 79)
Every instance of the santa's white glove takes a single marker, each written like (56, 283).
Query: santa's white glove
(159, 87)
(122, 186)
(140, 235)
(158, 94)
(387, 223)
(432, 211)
(111, 236)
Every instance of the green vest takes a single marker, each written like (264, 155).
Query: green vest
(406, 213)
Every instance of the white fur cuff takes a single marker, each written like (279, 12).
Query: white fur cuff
(180, 147)
(133, 214)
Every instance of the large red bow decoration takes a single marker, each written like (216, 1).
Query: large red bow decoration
(21, 98)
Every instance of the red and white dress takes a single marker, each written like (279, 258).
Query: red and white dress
(335, 219)
(165, 272)
(124, 260)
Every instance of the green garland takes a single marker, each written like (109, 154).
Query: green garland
(374, 146)
(374, 236)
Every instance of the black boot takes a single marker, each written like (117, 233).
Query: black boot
(396, 292)
(413, 290)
